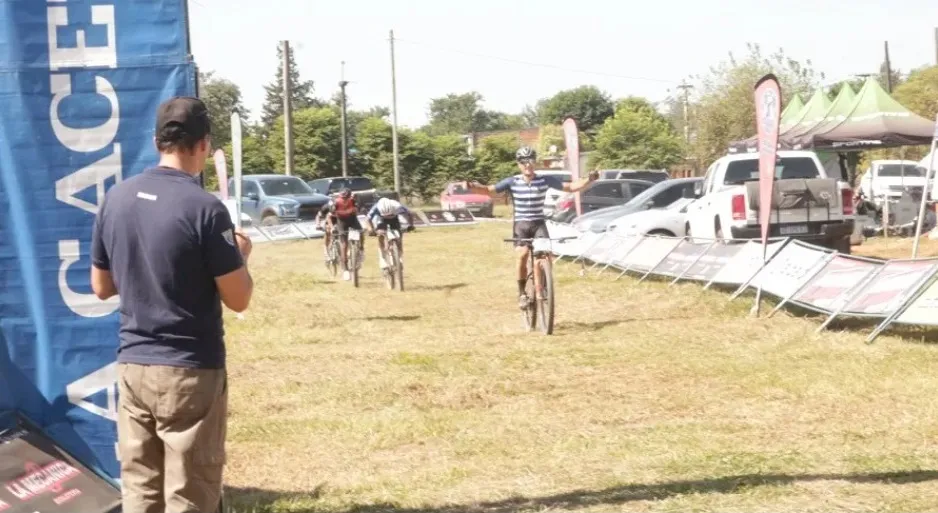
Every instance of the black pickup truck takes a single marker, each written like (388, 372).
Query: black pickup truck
(362, 188)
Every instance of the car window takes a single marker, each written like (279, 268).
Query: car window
(285, 185)
(249, 187)
(742, 171)
(605, 190)
(636, 188)
(668, 196)
(898, 170)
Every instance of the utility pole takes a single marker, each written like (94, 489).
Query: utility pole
(888, 69)
(287, 109)
(686, 87)
(342, 85)
(397, 170)
(936, 46)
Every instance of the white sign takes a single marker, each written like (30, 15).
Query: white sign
(746, 263)
(649, 253)
(255, 235)
(789, 270)
(282, 232)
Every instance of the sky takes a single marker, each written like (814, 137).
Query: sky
(515, 52)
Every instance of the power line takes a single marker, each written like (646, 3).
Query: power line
(534, 64)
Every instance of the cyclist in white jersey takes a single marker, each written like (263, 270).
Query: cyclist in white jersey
(528, 191)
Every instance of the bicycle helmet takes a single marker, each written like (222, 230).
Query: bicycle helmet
(387, 207)
(345, 192)
(525, 153)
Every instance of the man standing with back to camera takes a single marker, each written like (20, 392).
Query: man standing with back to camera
(170, 251)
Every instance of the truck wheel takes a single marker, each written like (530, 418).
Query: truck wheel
(841, 245)
(718, 230)
(270, 220)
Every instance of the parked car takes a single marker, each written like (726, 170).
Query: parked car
(365, 192)
(658, 196)
(807, 204)
(597, 195)
(670, 221)
(553, 194)
(273, 199)
(455, 197)
(890, 178)
(649, 175)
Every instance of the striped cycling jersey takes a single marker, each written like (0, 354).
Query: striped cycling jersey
(528, 198)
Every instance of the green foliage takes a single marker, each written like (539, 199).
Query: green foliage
(637, 137)
(920, 92)
(588, 105)
(457, 114)
(222, 98)
(725, 110)
(495, 158)
(317, 149)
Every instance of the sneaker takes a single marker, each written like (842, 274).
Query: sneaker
(346, 275)
(523, 301)
(382, 263)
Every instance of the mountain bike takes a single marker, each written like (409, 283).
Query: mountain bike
(355, 254)
(539, 312)
(391, 251)
(333, 253)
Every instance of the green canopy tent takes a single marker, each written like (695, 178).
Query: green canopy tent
(836, 113)
(792, 111)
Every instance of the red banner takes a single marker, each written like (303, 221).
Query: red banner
(768, 113)
(571, 139)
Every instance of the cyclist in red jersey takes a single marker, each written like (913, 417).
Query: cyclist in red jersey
(344, 210)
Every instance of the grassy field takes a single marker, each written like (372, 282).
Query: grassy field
(647, 398)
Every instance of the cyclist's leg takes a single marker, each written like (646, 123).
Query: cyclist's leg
(381, 229)
(539, 231)
(353, 223)
(522, 230)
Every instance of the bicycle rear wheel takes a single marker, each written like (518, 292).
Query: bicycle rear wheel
(398, 267)
(545, 296)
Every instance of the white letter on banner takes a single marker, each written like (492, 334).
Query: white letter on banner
(95, 174)
(83, 140)
(81, 389)
(82, 56)
(85, 305)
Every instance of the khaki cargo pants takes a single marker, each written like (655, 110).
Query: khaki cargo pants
(171, 438)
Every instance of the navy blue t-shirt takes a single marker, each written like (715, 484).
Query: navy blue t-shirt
(164, 240)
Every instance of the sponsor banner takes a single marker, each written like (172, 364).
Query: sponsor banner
(709, 265)
(309, 230)
(791, 267)
(832, 286)
(571, 138)
(449, 217)
(681, 258)
(255, 234)
(558, 231)
(745, 263)
(280, 232)
(649, 252)
(80, 83)
(575, 248)
(39, 476)
(768, 98)
(923, 309)
(419, 218)
(600, 252)
(887, 291)
(627, 244)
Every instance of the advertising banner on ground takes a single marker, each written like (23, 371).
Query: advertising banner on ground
(449, 217)
(255, 234)
(682, 257)
(79, 86)
(309, 229)
(829, 289)
(889, 288)
(279, 232)
(923, 309)
(600, 253)
(745, 263)
(649, 253)
(38, 476)
(789, 269)
(711, 262)
(622, 250)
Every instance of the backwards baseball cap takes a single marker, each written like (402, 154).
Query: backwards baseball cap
(182, 121)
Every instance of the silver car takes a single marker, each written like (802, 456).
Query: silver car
(658, 196)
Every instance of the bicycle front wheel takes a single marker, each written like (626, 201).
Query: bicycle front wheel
(545, 296)
(398, 267)
(353, 252)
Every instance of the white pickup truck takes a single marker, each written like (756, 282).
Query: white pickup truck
(806, 203)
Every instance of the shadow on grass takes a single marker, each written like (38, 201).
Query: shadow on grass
(251, 499)
(448, 287)
(566, 326)
(396, 318)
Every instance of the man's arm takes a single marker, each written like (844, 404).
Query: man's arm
(500, 187)
(223, 258)
(102, 283)
(577, 185)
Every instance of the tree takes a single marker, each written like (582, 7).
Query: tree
(457, 114)
(222, 98)
(302, 96)
(495, 158)
(725, 110)
(317, 146)
(920, 92)
(589, 106)
(637, 136)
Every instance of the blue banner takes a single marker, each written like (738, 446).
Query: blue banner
(79, 85)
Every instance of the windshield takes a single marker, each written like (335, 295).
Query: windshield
(353, 184)
(742, 171)
(898, 170)
(284, 186)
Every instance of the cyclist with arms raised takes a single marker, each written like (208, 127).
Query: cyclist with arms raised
(343, 212)
(384, 215)
(528, 191)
